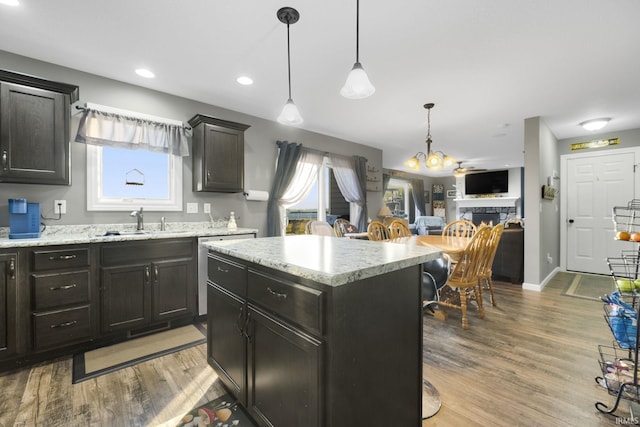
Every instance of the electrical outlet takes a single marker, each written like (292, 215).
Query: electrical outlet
(192, 208)
(207, 207)
(60, 207)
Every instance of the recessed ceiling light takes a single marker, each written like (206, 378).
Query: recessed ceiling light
(595, 124)
(245, 80)
(143, 72)
(10, 2)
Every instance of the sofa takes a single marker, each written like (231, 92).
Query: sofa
(427, 225)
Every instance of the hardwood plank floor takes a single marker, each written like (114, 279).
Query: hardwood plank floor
(530, 362)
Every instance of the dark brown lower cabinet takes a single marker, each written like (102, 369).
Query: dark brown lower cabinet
(147, 282)
(8, 303)
(300, 353)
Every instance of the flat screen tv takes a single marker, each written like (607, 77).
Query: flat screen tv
(487, 182)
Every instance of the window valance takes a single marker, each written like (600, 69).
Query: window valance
(106, 126)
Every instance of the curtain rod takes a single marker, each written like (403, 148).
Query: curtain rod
(134, 115)
(313, 150)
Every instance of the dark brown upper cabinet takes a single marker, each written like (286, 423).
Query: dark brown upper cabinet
(34, 129)
(218, 154)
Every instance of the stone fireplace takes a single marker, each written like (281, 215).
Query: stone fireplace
(487, 209)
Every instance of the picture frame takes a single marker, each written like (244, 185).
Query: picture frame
(427, 196)
(451, 194)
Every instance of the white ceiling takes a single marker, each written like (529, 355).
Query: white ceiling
(486, 64)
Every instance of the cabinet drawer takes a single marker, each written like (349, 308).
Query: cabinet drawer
(64, 258)
(292, 301)
(58, 328)
(227, 274)
(52, 290)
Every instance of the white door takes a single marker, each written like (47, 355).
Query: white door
(595, 184)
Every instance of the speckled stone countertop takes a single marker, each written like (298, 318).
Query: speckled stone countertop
(332, 261)
(95, 233)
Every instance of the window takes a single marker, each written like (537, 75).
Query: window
(120, 180)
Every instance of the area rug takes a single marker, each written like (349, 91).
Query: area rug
(223, 411)
(103, 360)
(589, 286)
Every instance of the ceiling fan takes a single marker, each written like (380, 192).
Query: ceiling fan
(460, 171)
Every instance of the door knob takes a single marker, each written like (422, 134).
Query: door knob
(571, 221)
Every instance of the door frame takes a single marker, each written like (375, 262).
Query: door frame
(564, 159)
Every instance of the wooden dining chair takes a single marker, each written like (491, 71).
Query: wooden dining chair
(485, 271)
(460, 228)
(377, 231)
(463, 284)
(341, 226)
(319, 228)
(398, 228)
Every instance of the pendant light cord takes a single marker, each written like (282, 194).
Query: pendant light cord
(357, 31)
(289, 57)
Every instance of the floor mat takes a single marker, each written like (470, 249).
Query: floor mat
(103, 360)
(589, 286)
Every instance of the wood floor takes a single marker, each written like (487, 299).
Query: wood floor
(530, 362)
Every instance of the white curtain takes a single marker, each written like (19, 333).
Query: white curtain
(344, 169)
(303, 180)
(106, 126)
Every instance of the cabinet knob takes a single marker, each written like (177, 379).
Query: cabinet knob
(5, 159)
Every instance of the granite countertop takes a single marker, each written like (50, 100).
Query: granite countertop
(95, 233)
(332, 261)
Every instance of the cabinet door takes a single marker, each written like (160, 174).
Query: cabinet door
(223, 159)
(226, 343)
(8, 302)
(173, 289)
(126, 301)
(284, 374)
(34, 135)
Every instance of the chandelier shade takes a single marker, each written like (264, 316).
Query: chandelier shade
(433, 160)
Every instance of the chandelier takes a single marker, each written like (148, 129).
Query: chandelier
(434, 160)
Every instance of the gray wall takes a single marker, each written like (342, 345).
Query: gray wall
(542, 217)
(260, 151)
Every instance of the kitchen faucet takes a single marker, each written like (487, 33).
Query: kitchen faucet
(140, 218)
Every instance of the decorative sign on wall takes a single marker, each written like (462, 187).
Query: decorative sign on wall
(594, 144)
(548, 192)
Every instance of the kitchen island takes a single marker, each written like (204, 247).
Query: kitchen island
(318, 331)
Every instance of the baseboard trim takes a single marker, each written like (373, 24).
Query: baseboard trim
(539, 287)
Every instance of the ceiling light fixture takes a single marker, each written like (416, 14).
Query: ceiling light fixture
(143, 72)
(595, 124)
(290, 114)
(357, 85)
(434, 160)
(245, 80)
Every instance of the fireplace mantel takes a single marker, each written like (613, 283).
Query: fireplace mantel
(487, 202)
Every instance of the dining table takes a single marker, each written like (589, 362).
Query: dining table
(450, 245)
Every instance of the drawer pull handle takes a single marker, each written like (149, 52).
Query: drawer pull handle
(62, 258)
(4, 160)
(224, 270)
(64, 325)
(277, 294)
(63, 288)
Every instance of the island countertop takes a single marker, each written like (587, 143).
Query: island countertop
(329, 260)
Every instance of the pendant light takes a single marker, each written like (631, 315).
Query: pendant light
(357, 85)
(290, 114)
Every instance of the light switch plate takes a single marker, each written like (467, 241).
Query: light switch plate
(192, 208)
(206, 207)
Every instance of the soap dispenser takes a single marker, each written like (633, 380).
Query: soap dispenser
(232, 222)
